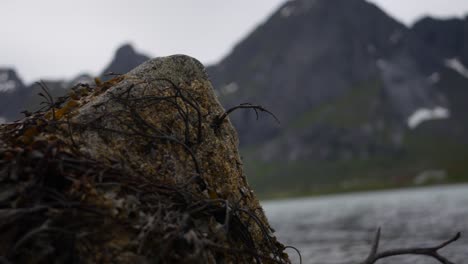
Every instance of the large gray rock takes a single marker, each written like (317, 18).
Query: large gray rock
(146, 151)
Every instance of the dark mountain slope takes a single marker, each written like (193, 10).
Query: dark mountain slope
(311, 52)
(12, 93)
(16, 97)
(446, 37)
(125, 59)
(360, 97)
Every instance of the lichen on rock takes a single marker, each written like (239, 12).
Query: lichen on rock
(131, 171)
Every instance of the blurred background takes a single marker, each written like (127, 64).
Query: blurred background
(371, 95)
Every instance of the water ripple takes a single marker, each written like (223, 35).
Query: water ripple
(338, 229)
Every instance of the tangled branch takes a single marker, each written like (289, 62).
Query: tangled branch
(374, 255)
(217, 122)
(49, 99)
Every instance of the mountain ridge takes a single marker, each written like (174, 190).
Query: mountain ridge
(352, 87)
(24, 97)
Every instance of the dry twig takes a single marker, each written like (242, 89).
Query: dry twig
(374, 255)
(219, 120)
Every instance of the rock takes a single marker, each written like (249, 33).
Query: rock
(131, 171)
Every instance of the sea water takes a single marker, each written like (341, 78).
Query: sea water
(339, 229)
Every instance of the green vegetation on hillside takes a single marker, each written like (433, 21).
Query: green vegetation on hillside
(422, 152)
(347, 111)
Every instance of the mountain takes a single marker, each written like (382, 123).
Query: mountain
(447, 38)
(12, 92)
(356, 92)
(15, 96)
(125, 59)
(312, 52)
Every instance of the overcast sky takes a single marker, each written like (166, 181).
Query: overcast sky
(62, 38)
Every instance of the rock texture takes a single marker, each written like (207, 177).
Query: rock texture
(131, 171)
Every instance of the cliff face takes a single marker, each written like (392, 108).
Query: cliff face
(17, 96)
(12, 93)
(356, 92)
(125, 59)
(446, 37)
(310, 53)
(132, 171)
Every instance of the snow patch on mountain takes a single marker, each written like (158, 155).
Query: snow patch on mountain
(4, 76)
(6, 84)
(230, 88)
(411, 93)
(424, 114)
(456, 65)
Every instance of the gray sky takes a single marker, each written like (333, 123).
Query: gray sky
(62, 38)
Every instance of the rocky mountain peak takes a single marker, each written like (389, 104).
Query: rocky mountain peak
(351, 85)
(125, 50)
(16, 97)
(9, 80)
(12, 92)
(324, 50)
(125, 59)
(447, 38)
